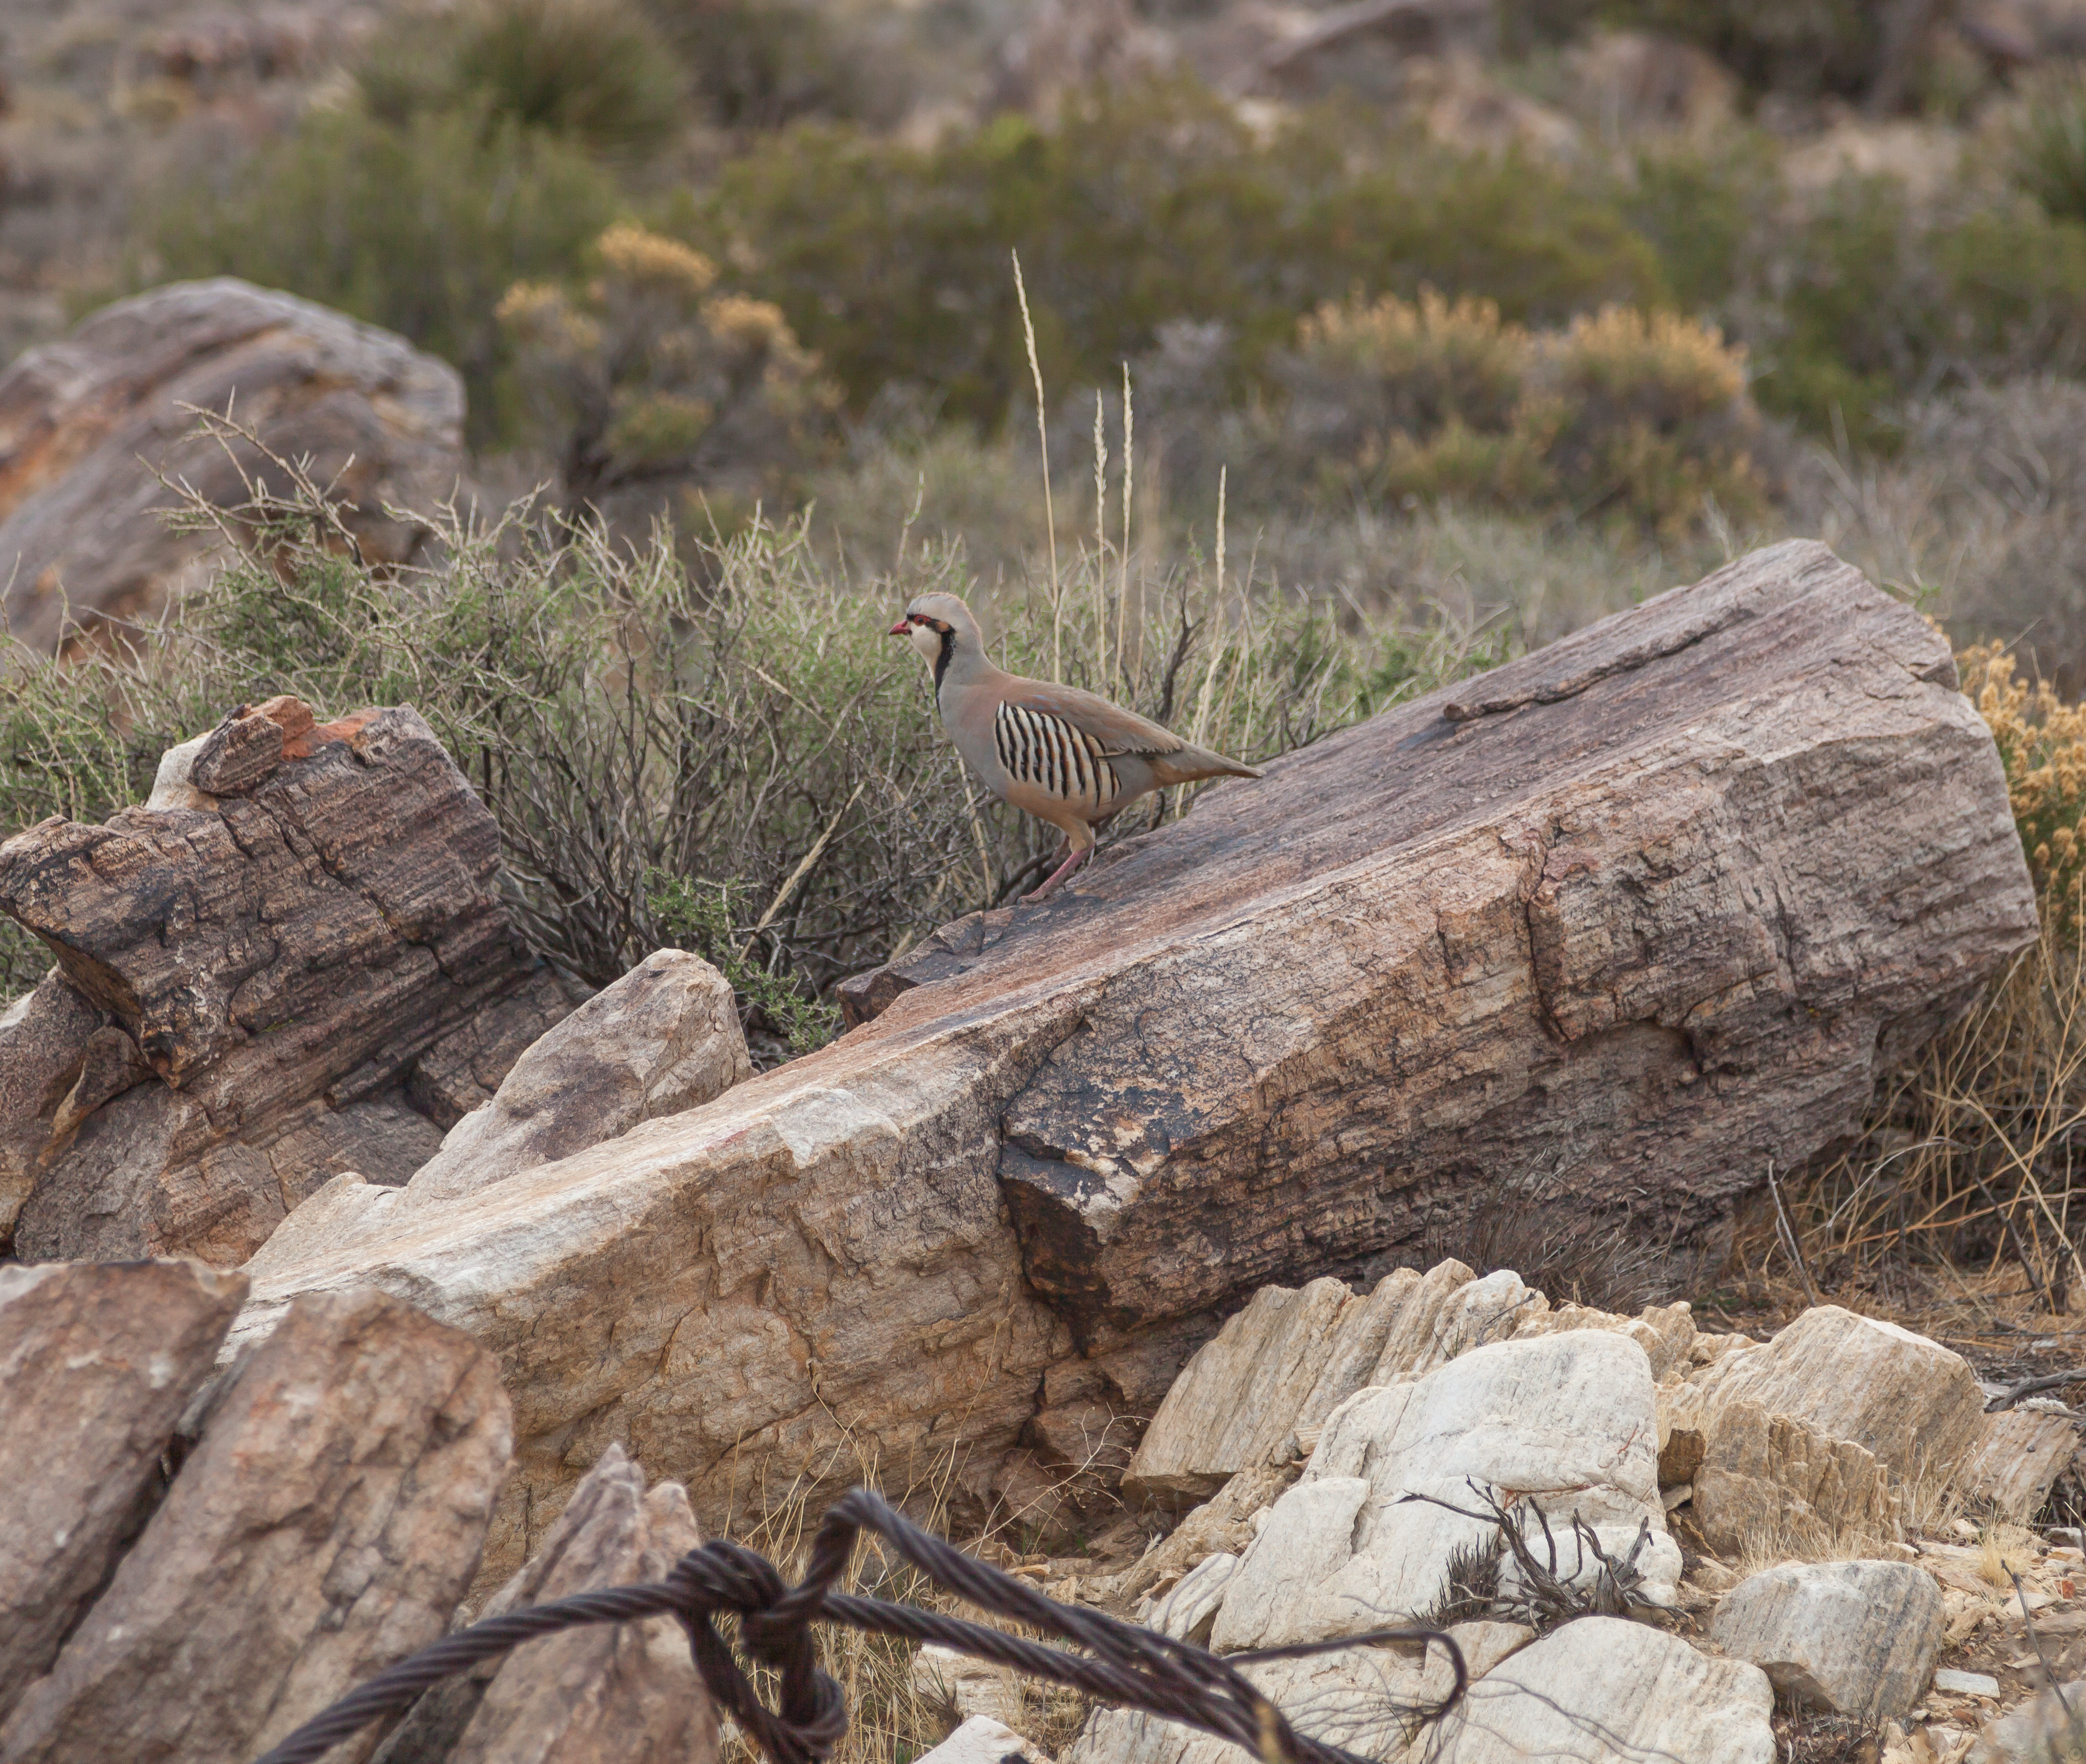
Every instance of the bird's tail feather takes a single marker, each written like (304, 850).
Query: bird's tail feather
(1189, 764)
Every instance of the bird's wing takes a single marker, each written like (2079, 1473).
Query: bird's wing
(1118, 731)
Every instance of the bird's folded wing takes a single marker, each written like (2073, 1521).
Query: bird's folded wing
(1118, 731)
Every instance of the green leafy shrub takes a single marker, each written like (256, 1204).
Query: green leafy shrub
(594, 72)
(762, 64)
(420, 225)
(645, 379)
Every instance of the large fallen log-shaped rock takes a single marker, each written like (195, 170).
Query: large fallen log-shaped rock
(97, 1365)
(95, 428)
(1663, 898)
(248, 977)
(326, 1524)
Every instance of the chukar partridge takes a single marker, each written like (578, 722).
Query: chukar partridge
(1067, 756)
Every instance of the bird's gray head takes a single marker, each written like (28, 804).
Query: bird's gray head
(941, 628)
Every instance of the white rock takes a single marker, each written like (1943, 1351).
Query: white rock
(1186, 1612)
(1567, 1420)
(1851, 1638)
(1603, 1689)
(1954, 1682)
(1911, 1402)
(1356, 1697)
(1413, 1345)
(1237, 1400)
(2018, 1454)
(965, 1686)
(983, 1741)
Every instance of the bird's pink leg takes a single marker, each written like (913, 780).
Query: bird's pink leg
(1061, 872)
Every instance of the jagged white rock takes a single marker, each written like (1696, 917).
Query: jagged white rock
(1566, 1421)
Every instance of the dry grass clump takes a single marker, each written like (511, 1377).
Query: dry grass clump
(1641, 419)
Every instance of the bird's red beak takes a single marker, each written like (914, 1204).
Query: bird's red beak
(902, 628)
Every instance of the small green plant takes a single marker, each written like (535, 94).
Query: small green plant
(711, 919)
(2045, 142)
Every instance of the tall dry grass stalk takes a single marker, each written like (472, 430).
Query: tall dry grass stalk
(1043, 444)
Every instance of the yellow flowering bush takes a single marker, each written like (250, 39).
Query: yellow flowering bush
(1628, 415)
(2042, 744)
(650, 383)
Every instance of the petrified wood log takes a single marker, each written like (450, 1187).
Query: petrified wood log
(97, 1365)
(1632, 918)
(261, 971)
(93, 428)
(326, 1525)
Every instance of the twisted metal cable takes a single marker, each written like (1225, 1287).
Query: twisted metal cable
(1120, 1664)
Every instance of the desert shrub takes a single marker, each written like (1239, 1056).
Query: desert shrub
(1644, 417)
(646, 379)
(1139, 207)
(1655, 417)
(2045, 142)
(762, 64)
(594, 72)
(1798, 49)
(420, 225)
(2041, 741)
(739, 758)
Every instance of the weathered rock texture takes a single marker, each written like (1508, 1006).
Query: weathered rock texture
(1604, 1688)
(327, 1522)
(245, 984)
(1566, 1421)
(1850, 1637)
(1911, 1402)
(89, 426)
(2019, 1454)
(96, 1366)
(983, 1741)
(1356, 1698)
(1671, 892)
(601, 1695)
(664, 1038)
(1259, 1392)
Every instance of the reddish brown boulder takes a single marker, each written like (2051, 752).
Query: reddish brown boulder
(90, 425)
(326, 1524)
(247, 983)
(97, 1365)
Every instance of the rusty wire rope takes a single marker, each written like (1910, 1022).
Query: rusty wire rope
(1119, 1663)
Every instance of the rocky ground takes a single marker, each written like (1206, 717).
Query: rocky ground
(1104, 1233)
